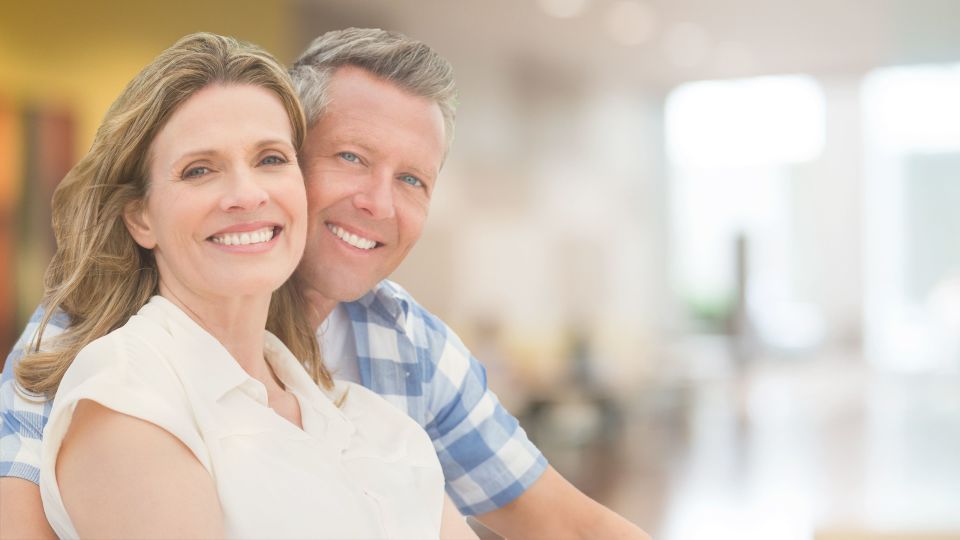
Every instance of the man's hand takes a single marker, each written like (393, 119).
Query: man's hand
(554, 509)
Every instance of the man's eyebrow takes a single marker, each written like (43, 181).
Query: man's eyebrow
(422, 173)
(351, 140)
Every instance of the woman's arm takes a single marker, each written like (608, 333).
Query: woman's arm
(452, 525)
(22, 511)
(122, 477)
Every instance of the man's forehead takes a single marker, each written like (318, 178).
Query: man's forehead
(333, 129)
(336, 133)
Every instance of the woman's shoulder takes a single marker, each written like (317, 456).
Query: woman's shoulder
(130, 356)
(129, 371)
(132, 345)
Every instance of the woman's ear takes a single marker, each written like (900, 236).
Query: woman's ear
(137, 220)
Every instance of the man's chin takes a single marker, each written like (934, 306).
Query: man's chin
(348, 292)
(336, 284)
(322, 300)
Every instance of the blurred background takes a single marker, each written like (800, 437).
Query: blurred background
(707, 249)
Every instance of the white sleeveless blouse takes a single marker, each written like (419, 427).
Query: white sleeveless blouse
(365, 470)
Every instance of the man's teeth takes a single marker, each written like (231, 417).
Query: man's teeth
(352, 239)
(245, 238)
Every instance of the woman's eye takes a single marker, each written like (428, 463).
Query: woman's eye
(195, 172)
(412, 180)
(273, 160)
(350, 156)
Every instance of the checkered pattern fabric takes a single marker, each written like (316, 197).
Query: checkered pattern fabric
(405, 354)
(22, 417)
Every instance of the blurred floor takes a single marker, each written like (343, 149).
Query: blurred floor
(797, 448)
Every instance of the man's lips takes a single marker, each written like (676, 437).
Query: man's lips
(354, 240)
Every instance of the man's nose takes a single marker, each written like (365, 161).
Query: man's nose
(375, 196)
(243, 192)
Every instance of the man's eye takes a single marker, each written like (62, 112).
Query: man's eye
(273, 160)
(350, 156)
(412, 180)
(195, 172)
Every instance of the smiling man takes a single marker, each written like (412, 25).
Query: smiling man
(371, 161)
(380, 109)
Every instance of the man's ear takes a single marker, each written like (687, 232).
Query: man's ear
(138, 224)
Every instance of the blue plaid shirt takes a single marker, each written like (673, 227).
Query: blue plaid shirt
(405, 354)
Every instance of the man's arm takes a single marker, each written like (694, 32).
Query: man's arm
(493, 471)
(452, 525)
(552, 508)
(21, 511)
(21, 426)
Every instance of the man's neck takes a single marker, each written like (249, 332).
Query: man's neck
(320, 307)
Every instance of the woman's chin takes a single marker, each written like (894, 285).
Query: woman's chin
(247, 287)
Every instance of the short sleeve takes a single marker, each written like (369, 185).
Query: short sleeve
(123, 375)
(487, 459)
(22, 416)
(22, 419)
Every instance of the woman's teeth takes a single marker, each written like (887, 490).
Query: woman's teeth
(352, 239)
(245, 238)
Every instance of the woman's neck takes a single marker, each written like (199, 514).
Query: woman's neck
(236, 322)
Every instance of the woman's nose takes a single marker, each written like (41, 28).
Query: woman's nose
(243, 192)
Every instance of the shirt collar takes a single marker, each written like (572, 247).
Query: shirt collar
(286, 366)
(209, 369)
(390, 302)
(205, 363)
(293, 375)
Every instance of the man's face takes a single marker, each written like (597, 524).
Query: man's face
(370, 164)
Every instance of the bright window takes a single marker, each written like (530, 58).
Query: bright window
(912, 196)
(732, 146)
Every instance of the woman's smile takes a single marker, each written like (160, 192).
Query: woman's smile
(247, 237)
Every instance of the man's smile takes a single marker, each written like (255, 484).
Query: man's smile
(352, 239)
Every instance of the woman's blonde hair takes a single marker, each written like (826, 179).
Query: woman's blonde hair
(99, 276)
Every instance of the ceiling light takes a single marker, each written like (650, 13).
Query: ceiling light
(563, 9)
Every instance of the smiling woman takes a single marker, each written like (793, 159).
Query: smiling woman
(177, 236)
(95, 250)
(225, 182)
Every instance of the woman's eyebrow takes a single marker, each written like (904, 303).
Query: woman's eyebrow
(273, 142)
(257, 145)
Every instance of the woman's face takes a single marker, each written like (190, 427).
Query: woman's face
(225, 213)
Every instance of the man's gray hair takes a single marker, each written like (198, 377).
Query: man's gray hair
(392, 56)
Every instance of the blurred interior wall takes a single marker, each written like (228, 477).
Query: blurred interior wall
(828, 214)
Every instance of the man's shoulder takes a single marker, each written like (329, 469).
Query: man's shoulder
(389, 304)
(58, 322)
(24, 415)
(391, 326)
